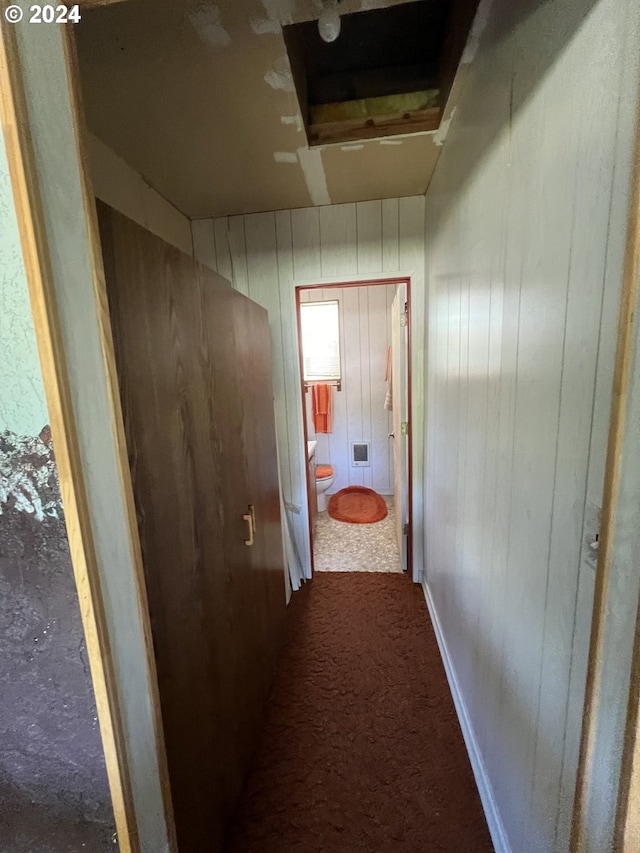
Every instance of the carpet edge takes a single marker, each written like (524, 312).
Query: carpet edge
(489, 805)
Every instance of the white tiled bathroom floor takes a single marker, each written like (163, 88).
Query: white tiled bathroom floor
(341, 547)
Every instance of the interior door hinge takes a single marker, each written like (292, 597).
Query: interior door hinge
(404, 428)
(405, 529)
(404, 317)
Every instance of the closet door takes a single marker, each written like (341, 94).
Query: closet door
(195, 383)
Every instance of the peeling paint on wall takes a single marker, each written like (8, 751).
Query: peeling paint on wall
(28, 475)
(316, 180)
(279, 75)
(207, 22)
(294, 120)
(285, 157)
(277, 14)
(441, 133)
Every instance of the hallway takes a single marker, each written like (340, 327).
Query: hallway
(361, 749)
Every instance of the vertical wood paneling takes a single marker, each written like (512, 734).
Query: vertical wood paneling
(333, 445)
(369, 236)
(474, 544)
(338, 249)
(317, 245)
(262, 261)
(285, 275)
(305, 226)
(293, 451)
(523, 283)
(617, 583)
(390, 235)
(583, 316)
(390, 296)
(204, 242)
(544, 256)
(365, 378)
(463, 589)
(488, 589)
(223, 255)
(353, 391)
(238, 253)
(263, 278)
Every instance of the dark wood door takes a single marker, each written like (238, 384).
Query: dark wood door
(195, 382)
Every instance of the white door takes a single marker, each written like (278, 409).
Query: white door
(400, 419)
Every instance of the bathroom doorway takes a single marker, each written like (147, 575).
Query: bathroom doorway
(354, 345)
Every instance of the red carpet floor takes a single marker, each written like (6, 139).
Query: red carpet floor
(362, 750)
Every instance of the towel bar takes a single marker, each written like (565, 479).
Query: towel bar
(337, 384)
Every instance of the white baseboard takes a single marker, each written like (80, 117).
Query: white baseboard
(494, 822)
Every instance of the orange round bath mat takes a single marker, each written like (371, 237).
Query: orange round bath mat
(357, 505)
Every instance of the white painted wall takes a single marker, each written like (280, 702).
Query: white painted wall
(266, 255)
(121, 187)
(359, 413)
(526, 219)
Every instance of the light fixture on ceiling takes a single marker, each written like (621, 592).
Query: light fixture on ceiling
(329, 21)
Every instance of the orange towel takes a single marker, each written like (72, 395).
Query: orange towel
(322, 407)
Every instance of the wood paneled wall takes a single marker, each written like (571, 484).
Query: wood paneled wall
(193, 360)
(526, 220)
(266, 255)
(359, 413)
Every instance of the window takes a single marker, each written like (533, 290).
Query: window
(320, 323)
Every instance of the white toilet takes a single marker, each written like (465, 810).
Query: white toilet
(325, 475)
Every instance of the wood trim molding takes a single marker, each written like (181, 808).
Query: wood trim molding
(117, 421)
(627, 331)
(375, 127)
(628, 815)
(627, 829)
(24, 182)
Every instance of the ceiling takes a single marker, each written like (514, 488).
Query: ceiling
(198, 97)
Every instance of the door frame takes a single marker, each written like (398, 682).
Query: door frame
(118, 729)
(389, 281)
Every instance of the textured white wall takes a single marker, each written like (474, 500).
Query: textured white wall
(359, 413)
(526, 218)
(23, 409)
(266, 255)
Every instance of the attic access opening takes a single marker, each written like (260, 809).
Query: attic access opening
(389, 72)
